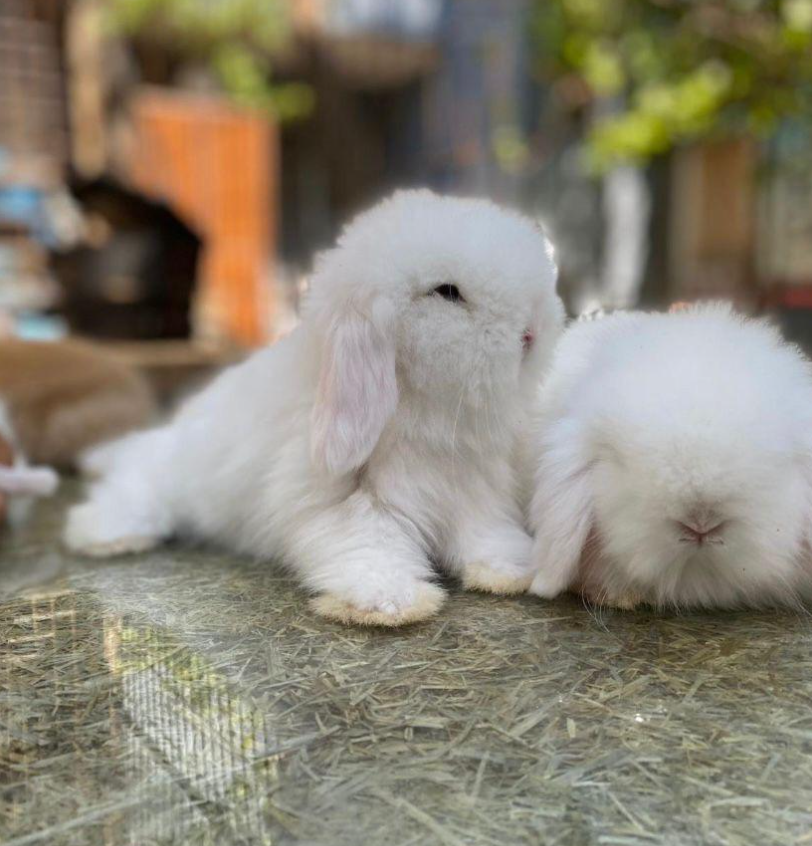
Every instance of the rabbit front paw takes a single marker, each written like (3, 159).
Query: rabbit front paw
(419, 601)
(496, 561)
(97, 532)
(549, 583)
(496, 577)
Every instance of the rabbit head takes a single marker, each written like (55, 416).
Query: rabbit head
(680, 472)
(434, 302)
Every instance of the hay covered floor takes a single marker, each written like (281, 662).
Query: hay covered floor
(184, 697)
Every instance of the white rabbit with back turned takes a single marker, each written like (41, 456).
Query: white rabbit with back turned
(674, 463)
(376, 439)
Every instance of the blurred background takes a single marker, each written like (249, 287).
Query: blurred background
(168, 168)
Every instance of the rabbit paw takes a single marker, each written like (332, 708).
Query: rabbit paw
(419, 603)
(627, 601)
(549, 583)
(129, 545)
(497, 561)
(496, 578)
(89, 533)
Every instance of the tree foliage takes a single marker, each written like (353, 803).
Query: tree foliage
(235, 39)
(670, 71)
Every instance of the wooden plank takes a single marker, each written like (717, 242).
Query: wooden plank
(216, 166)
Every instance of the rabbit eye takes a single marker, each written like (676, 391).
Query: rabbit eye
(450, 293)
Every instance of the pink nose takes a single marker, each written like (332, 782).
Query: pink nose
(527, 340)
(696, 532)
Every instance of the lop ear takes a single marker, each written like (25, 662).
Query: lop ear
(562, 512)
(357, 391)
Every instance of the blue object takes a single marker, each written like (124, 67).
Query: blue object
(27, 206)
(40, 327)
(406, 19)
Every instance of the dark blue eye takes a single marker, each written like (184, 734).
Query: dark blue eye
(450, 293)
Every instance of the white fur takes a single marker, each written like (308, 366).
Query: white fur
(648, 419)
(21, 481)
(377, 437)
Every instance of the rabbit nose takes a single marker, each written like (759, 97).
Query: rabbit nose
(527, 339)
(699, 531)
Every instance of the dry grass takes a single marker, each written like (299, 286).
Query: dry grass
(184, 697)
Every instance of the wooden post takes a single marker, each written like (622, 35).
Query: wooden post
(84, 47)
(712, 249)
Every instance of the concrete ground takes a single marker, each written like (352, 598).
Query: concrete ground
(189, 697)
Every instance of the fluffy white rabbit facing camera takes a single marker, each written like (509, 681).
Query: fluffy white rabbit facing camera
(675, 463)
(376, 440)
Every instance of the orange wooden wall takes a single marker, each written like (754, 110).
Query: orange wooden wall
(216, 166)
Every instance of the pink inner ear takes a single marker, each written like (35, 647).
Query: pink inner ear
(357, 394)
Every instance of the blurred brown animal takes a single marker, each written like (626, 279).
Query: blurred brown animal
(64, 397)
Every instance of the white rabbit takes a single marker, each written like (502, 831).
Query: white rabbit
(377, 437)
(675, 463)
